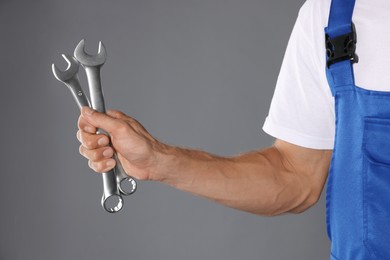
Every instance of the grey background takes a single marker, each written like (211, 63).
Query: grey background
(196, 73)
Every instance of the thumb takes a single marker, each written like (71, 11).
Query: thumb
(101, 120)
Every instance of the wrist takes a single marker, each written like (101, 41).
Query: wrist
(164, 162)
(185, 168)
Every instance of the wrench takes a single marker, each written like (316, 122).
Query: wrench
(70, 78)
(112, 200)
(92, 65)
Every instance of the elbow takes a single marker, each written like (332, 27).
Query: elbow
(295, 201)
(302, 207)
(306, 201)
(291, 197)
(312, 197)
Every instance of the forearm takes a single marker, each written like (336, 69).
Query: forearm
(278, 179)
(258, 182)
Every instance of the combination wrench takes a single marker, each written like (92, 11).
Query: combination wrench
(112, 200)
(92, 65)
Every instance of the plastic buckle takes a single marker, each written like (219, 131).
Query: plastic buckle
(341, 47)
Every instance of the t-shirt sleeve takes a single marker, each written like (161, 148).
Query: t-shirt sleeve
(302, 108)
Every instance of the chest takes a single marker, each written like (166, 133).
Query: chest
(372, 20)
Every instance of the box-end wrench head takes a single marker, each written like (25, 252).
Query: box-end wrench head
(92, 64)
(126, 184)
(112, 200)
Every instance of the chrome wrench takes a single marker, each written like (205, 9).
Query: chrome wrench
(70, 78)
(112, 200)
(92, 65)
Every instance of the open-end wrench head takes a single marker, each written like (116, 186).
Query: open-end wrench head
(70, 72)
(87, 59)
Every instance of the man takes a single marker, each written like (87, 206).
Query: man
(289, 176)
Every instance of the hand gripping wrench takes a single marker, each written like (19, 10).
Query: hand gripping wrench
(92, 66)
(112, 200)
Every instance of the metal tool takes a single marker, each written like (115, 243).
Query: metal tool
(70, 78)
(92, 65)
(112, 200)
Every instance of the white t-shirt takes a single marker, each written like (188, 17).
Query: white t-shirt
(302, 108)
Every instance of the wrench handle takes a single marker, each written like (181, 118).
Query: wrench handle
(77, 91)
(95, 88)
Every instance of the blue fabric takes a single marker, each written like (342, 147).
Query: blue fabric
(358, 192)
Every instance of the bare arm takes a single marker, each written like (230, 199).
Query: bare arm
(281, 178)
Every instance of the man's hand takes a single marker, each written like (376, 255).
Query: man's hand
(135, 147)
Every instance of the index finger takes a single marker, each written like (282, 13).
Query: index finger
(100, 120)
(84, 125)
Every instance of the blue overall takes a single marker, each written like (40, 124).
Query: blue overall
(358, 192)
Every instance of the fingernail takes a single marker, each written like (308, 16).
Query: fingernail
(107, 153)
(102, 141)
(110, 163)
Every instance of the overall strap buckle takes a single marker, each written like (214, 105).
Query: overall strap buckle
(341, 47)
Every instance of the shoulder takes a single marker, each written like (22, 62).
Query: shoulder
(315, 11)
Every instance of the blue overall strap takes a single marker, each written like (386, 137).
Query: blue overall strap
(339, 44)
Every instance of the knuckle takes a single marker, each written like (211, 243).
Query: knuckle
(131, 120)
(95, 166)
(81, 150)
(88, 143)
(91, 165)
(95, 155)
(120, 114)
(101, 166)
(80, 122)
(116, 113)
(122, 127)
(85, 152)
